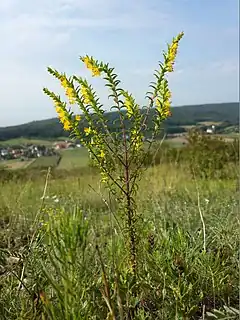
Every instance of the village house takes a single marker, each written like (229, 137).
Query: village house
(210, 130)
(30, 151)
(65, 145)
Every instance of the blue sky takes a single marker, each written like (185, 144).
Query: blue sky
(128, 34)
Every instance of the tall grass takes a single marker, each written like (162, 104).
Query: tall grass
(70, 263)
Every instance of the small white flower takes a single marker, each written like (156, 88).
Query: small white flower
(207, 200)
(56, 200)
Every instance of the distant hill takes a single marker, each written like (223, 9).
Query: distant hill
(225, 113)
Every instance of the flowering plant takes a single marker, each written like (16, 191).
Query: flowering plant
(119, 155)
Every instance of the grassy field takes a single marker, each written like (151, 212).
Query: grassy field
(67, 159)
(78, 158)
(16, 164)
(177, 275)
(75, 158)
(45, 162)
(64, 252)
(177, 141)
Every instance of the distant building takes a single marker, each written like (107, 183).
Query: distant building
(63, 145)
(210, 130)
(4, 153)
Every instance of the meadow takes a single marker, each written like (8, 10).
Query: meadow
(63, 254)
(142, 229)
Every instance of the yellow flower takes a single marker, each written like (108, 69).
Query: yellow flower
(57, 104)
(71, 95)
(167, 104)
(92, 65)
(62, 118)
(163, 107)
(87, 62)
(85, 94)
(64, 82)
(78, 117)
(83, 91)
(58, 109)
(96, 72)
(87, 130)
(61, 113)
(67, 125)
(102, 154)
(86, 100)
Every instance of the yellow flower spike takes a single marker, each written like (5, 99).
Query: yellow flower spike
(172, 52)
(77, 117)
(91, 65)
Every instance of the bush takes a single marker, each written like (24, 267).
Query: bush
(206, 156)
(210, 156)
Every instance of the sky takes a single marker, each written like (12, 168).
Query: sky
(130, 35)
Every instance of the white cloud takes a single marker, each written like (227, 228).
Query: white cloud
(42, 26)
(38, 33)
